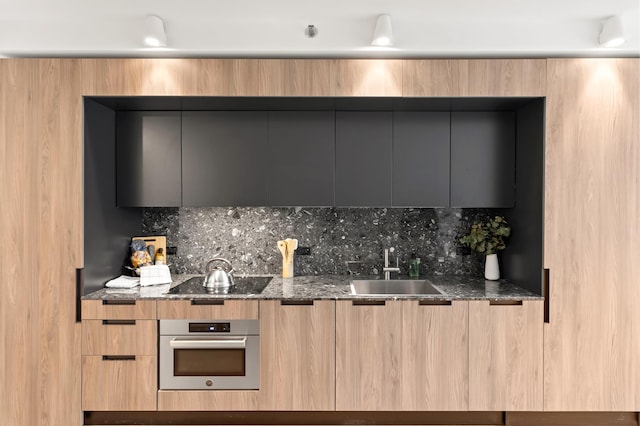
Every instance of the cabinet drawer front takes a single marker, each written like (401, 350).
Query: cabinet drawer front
(208, 309)
(207, 400)
(119, 309)
(119, 337)
(119, 384)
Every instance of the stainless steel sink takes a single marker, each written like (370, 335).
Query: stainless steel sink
(393, 287)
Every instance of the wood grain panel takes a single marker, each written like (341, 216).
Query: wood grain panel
(505, 356)
(59, 212)
(592, 220)
(231, 309)
(140, 309)
(435, 369)
(132, 77)
(367, 77)
(41, 198)
(139, 338)
(297, 356)
(474, 77)
(119, 385)
(19, 302)
(401, 356)
(220, 77)
(207, 400)
(295, 77)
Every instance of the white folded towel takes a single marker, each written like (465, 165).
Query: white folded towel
(123, 282)
(154, 275)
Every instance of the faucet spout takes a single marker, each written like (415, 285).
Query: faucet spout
(387, 269)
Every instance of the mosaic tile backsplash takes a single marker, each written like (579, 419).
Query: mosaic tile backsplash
(247, 238)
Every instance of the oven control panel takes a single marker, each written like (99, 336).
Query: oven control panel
(209, 327)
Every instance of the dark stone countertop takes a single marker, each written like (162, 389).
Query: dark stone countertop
(332, 287)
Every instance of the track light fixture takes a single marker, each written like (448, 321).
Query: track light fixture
(383, 34)
(154, 35)
(612, 34)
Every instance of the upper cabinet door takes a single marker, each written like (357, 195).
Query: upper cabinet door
(148, 159)
(363, 159)
(223, 158)
(295, 77)
(474, 77)
(482, 159)
(301, 158)
(421, 159)
(367, 77)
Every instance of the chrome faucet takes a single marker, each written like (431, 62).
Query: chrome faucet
(387, 270)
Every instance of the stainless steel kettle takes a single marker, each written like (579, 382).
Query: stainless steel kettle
(220, 276)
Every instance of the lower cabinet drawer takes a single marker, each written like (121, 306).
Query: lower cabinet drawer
(119, 383)
(119, 337)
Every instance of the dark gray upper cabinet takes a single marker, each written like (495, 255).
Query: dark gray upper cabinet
(421, 159)
(301, 158)
(148, 159)
(363, 158)
(483, 159)
(224, 158)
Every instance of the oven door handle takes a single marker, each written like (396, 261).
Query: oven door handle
(209, 344)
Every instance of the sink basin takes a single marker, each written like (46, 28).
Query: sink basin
(393, 287)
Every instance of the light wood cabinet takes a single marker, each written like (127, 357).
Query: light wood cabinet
(119, 337)
(219, 77)
(297, 355)
(207, 309)
(474, 77)
(119, 356)
(401, 355)
(295, 77)
(592, 223)
(119, 309)
(505, 356)
(207, 400)
(367, 77)
(132, 77)
(120, 383)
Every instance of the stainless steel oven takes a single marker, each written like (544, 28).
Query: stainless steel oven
(203, 354)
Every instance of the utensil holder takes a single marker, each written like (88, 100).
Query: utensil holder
(287, 269)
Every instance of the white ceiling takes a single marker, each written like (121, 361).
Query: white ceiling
(261, 28)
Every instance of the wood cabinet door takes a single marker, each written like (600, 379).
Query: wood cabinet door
(41, 197)
(148, 153)
(367, 77)
(421, 159)
(483, 159)
(505, 356)
(401, 355)
(474, 77)
(223, 158)
(119, 383)
(207, 309)
(363, 158)
(592, 224)
(297, 355)
(301, 158)
(295, 77)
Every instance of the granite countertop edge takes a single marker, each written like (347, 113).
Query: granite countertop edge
(332, 287)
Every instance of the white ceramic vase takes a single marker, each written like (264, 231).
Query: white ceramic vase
(491, 267)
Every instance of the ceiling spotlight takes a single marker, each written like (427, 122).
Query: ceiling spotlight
(311, 31)
(154, 35)
(383, 34)
(612, 34)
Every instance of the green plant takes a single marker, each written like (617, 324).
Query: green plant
(487, 237)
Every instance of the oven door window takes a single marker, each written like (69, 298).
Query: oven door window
(209, 362)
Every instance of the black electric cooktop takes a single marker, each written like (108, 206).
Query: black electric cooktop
(242, 285)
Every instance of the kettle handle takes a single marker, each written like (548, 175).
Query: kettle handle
(218, 259)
